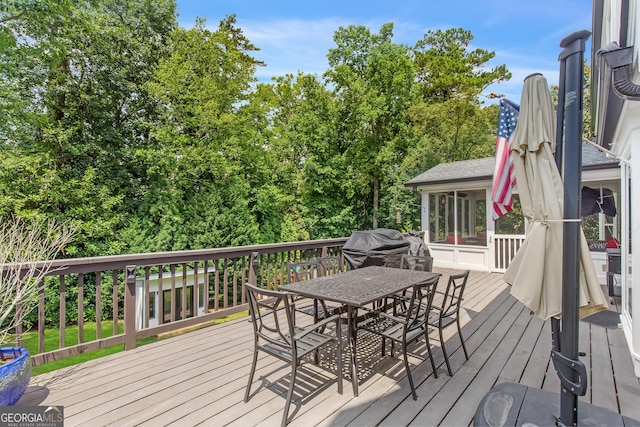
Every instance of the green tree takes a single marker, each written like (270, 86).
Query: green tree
(200, 192)
(79, 110)
(446, 68)
(372, 79)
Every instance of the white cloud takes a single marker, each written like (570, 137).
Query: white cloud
(289, 45)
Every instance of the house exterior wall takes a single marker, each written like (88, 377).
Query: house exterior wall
(626, 144)
(154, 288)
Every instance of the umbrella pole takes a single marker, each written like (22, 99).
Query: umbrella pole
(571, 371)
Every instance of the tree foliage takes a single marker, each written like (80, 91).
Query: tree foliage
(446, 68)
(153, 137)
(373, 79)
(198, 194)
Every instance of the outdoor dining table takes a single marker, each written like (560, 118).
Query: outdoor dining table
(356, 289)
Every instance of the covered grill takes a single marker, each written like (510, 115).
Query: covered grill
(381, 246)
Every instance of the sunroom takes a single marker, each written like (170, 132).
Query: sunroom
(456, 213)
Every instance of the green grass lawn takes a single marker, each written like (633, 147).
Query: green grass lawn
(52, 336)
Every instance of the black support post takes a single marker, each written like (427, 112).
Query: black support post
(567, 363)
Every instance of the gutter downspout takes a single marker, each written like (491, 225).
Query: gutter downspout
(620, 60)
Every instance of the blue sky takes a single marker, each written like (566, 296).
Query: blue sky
(297, 35)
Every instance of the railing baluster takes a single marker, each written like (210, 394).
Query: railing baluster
(160, 315)
(216, 289)
(80, 308)
(41, 313)
(225, 282)
(146, 300)
(243, 279)
(183, 307)
(98, 305)
(270, 283)
(235, 282)
(506, 247)
(172, 298)
(196, 290)
(63, 312)
(114, 301)
(207, 291)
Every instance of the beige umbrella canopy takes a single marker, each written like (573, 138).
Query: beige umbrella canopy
(535, 273)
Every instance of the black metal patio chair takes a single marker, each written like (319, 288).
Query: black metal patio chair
(412, 262)
(449, 312)
(407, 327)
(416, 262)
(330, 265)
(275, 333)
(305, 270)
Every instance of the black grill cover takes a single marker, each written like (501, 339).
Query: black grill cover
(372, 247)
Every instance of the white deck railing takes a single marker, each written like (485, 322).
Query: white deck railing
(505, 248)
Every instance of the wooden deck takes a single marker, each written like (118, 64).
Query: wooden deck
(199, 378)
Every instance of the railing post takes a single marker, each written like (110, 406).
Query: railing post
(130, 308)
(253, 268)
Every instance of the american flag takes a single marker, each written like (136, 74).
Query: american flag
(504, 176)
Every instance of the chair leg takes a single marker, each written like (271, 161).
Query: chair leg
(433, 364)
(253, 370)
(285, 415)
(464, 348)
(444, 350)
(406, 365)
(339, 356)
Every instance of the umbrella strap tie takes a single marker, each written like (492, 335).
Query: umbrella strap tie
(546, 221)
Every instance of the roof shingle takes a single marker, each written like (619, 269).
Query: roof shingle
(479, 169)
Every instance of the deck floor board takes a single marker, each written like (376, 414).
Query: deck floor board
(199, 378)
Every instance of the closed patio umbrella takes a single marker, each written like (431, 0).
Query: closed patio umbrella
(535, 273)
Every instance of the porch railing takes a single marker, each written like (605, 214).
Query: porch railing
(103, 289)
(505, 248)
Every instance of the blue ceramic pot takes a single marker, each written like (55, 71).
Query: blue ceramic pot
(14, 374)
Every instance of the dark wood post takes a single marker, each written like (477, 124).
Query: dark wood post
(130, 308)
(253, 268)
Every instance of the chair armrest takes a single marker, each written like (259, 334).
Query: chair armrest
(393, 318)
(306, 331)
(399, 297)
(382, 314)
